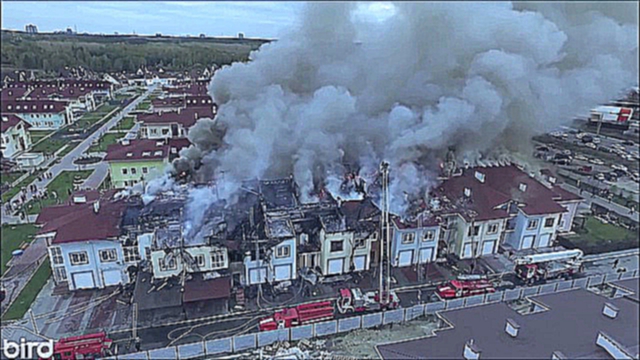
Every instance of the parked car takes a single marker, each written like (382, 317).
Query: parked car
(581, 135)
(543, 148)
(585, 169)
(596, 161)
(599, 176)
(580, 157)
(619, 173)
(619, 167)
(611, 176)
(628, 143)
(566, 152)
(591, 145)
(596, 140)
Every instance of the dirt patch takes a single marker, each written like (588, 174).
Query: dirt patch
(361, 344)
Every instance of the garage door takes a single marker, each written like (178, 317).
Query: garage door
(468, 251)
(359, 261)
(527, 242)
(426, 255)
(112, 277)
(336, 266)
(488, 246)
(83, 280)
(404, 258)
(544, 240)
(257, 275)
(283, 272)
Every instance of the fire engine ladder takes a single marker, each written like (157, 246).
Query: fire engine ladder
(385, 266)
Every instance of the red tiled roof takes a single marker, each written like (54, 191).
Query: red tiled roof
(13, 93)
(144, 149)
(11, 121)
(80, 222)
(34, 106)
(66, 92)
(187, 117)
(564, 195)
(198, 289)
(501, 185)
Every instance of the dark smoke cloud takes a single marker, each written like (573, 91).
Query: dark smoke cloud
(483, 77)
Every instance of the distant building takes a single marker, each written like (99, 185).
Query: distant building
(202, 36)
(69, 31)
(135, 161)
(15, 135)
(240, 35)
(31, 29)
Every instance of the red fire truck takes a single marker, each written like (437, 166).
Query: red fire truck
(458, 289)
(299, 315)
(349, 300)
(92, 346)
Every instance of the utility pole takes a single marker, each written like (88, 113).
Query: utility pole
(385, 229)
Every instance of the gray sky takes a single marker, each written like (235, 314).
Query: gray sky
(255, 19)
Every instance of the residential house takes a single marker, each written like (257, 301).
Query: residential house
(135, 161)
(15, 135)
(485, 208)
(40, 114)
(414, 242)
(173, 124)
(362, 217)
(83, 242)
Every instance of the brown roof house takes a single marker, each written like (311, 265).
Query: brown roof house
(487, 207)
(83, 238)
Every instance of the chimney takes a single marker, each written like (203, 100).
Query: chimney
(512, 328)
(467, 192)
(609, 310)
(125, 142)
(196, 115)
(5, 119)
(80, 199)
(339, 199)
(480, 176)
(552, 180)
(179, 108)
(471, 351)
(522, 187)
(558, 355)
(96, 206)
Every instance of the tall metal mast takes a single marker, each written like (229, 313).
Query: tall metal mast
(385, 230)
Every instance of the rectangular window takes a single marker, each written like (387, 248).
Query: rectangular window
(548, 222)
(474, 230)
(145, 170)
(532, 224)
(60, 274)
(108, 255)
(79, 258)
(283, 251)
(200, 260)
(131, 254)
(408, 238)
(217, 259)
(360, 243)
(56, 255)
(492, 229)
(125, 171)
(133, 171)
(170, 265)
(429, 235)
(337, 246)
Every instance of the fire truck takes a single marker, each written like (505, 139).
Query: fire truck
(92, 346)
(536, 268)
(349, 300)
(353, 300)
(462, 288)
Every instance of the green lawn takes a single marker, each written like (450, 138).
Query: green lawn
(61, 185)
(14, 190)
(12, 237)
(126, 123)
(597, 237)
(72, 145)
(90, 118)
(10, 177)
(49, 146)
(36, 135)
(28, 294)
(104, 141)
(144, 106)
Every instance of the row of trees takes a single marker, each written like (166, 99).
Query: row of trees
(52, 55)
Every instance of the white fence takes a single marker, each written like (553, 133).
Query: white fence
(255, 340)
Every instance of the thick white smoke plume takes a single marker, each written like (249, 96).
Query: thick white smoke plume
(477, 76)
